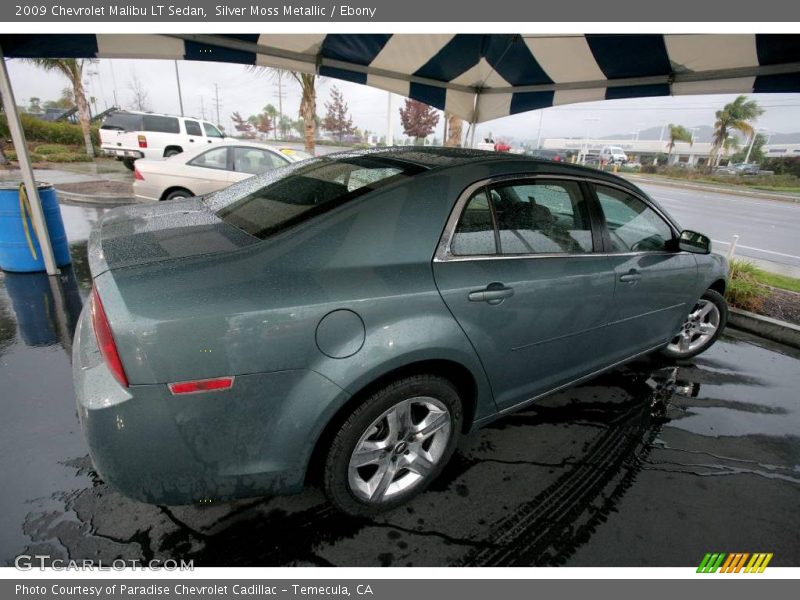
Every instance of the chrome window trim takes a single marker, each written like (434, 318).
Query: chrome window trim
(444, 252)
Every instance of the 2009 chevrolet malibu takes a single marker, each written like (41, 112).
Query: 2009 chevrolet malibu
(350, 316)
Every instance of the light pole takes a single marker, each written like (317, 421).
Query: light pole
(752, 141)
(588, 121)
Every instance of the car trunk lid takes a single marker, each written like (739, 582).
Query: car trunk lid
(137, 235)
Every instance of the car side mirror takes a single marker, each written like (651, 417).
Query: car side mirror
(691, 241)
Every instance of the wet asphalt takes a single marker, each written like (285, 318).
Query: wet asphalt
(652, 464)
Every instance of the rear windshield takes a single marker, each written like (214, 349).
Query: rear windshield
(296, 193)
(123, 121)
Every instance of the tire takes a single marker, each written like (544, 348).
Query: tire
(171, 152)
(128, 162)
(710, 311)
(397, 464)
(177, 194)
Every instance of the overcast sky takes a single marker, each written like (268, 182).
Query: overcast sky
(246, 92)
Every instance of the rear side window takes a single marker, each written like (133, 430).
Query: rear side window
(192, 128)
(475, 233)
(542, 217)
(213, 159)
(123, 121)
(308, 190)
(632, 225)
(159, 124)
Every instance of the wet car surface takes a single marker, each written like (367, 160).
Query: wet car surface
(651, 464)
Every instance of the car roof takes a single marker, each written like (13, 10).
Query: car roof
(439, 158)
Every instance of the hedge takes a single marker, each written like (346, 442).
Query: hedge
(51, 132)
(64, 155)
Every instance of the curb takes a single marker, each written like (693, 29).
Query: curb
(766, 327)
(79, 198)
(759, 194)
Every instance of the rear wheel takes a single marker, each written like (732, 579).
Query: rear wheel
(393, 445)
(179, 193)
(171, 152)
(702, 327)
(128, 162)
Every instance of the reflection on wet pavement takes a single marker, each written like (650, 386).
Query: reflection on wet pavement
(652, 464)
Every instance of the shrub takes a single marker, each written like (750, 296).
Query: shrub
(744, 291)
(58, 132)
(68, 157)
(52, 149)
(783, 166)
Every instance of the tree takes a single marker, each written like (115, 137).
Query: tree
(757, 154)
(34, 105)
(337, 120)
(72, 69)
(734, 116)
(242, 125)
(141, 99)
(272, 113)
(264, 123)
(454, 130)
(678, 133)
(418, 119)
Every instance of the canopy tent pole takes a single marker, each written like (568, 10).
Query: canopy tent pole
(18, 137)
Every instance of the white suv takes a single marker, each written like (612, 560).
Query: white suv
(613, 155)
(128, 135)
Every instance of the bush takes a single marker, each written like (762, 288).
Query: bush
(12, 155)
(744, 291)
(68, 157)
(783, 166)
(49, 132)
(52, 149)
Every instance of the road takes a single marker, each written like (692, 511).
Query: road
(768, 230)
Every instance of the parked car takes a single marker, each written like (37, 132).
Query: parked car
(347, 318)
(205, 170)
(739, 169)
(129, 135)
(554, 155)
(613, 155)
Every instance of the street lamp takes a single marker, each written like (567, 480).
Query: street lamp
(752, 141)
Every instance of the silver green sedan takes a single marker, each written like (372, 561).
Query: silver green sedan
(345, 319)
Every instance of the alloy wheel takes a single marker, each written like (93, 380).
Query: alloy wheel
(698, 329)
(400, 449)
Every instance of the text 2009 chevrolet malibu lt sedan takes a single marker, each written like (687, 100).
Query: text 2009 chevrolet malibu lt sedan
(352, 315)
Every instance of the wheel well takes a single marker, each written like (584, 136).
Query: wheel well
(718, 286)
(454, 372)
(168, 148)
(175, 188)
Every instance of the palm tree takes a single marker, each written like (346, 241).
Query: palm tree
(734, 116)
(678, 133)
(72, 69)
(308, 103)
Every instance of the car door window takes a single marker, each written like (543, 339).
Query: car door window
(193, 128)
(159, 124)
(475, 232)
(547, 216)
(632, 225)
(255, 161)
(211, 131)
(213, 159)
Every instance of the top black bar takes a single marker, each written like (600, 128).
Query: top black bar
(387, 11)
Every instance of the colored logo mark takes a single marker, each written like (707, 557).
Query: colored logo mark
(734, 562)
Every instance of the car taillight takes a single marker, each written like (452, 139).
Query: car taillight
(105, 340)
(201, 385)
(142, 141)
(137, 175)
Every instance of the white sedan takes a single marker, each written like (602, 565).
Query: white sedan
(199, 172)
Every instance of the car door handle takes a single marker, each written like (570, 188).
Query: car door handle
(191, 140)
(493, 294)
(631, 276)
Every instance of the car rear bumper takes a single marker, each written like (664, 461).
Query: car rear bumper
(121, 152)
(255, 439)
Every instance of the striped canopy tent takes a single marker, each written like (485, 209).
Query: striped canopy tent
(477, 77)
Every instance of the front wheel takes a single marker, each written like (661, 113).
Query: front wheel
(702, 327)
(393, 445)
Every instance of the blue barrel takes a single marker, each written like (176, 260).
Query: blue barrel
(19, 246)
